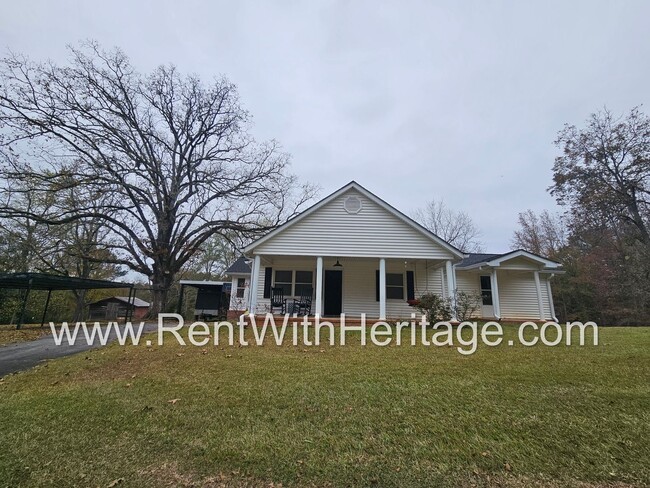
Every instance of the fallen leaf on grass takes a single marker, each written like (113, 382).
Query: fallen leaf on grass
(507, 467)
(115, 482)
(485, 453)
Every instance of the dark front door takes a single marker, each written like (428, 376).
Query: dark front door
(333, 298)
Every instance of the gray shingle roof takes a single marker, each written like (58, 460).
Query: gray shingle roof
(239, 266)
(475, 258)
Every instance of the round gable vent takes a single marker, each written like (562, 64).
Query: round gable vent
(352, 205)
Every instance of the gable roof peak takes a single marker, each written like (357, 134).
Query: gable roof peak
(374, 198)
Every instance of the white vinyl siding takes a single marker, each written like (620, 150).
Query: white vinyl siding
(469, 282)
(372, 232)
(519, 263)
(518, 295)
(239, 303)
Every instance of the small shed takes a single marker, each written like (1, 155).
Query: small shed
(212, 298)
(112, 308)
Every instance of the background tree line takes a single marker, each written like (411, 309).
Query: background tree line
(601, 180)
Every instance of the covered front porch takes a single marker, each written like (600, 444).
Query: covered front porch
(376, 286)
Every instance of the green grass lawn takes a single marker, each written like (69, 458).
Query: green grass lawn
(333, 416)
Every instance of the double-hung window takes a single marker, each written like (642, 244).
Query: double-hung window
(241, 287)
(395, 285)
(303, 283)
(284, 280)
(294, 283)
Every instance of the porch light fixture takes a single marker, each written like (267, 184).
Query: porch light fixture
(337, 264)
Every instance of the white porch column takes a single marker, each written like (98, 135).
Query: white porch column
(495, 294)
(255, 281)
(550, 297)
(382, 289)
(318, 309)
(451, 287)
(538, 286)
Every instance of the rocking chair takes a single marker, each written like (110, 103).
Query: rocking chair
(278, 300)
(302, 305)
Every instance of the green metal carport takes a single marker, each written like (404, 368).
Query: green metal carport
(50, 282)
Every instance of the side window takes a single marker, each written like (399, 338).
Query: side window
(241, 287)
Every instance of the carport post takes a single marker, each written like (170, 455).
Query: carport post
(179, 308)
(47, 302)
(22, 310)
(129, 306)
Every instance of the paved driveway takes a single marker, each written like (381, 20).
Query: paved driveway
(24, 355)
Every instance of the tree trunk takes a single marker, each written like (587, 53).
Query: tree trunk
(80, 303)
(160, 285)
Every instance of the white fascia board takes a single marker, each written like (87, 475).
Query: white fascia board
(521, 253)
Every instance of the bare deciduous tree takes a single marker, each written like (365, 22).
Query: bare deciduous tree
(544, 234)
(457, 228)
(163, 161)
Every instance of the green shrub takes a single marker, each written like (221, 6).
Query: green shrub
(434, 307)
(466, 305)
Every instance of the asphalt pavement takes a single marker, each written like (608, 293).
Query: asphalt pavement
(24, 355)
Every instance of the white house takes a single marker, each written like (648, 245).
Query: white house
(354, 253)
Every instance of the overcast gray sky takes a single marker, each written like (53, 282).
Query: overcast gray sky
(454, 100)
